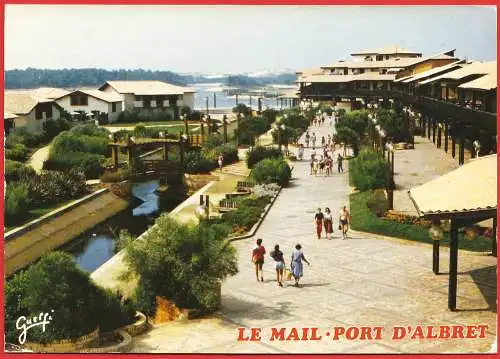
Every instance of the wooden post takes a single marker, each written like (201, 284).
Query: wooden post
(435, 257)
(165, 151)
(215, 101)
(236, 99)
(238, 119)
(429, 128)
(202, 128)
(446, 136)
(181, 154)
(439, 136)
(453, 146)
(461, 149)
(260, 105)
(494, 238)
(434, 131)
(130, 155)
(186, 127)
(114, 156)
(452, 284)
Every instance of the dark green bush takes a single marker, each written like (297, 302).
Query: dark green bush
(90, 130)
(17, 152)
(181, 263)
(272, 170)
(90, 164)
(197, 163)
(259, 153)
(51, 128)
(243, 109)
(377, 202)
(17, 202)
(212, 141)
(244, 217)
(14, 171)
(24, 136)
(119, 175)
(368, 170)
(349, 137)
(56, 285)
(76, 142)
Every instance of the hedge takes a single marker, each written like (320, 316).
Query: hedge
(272, 170)
(259, 153)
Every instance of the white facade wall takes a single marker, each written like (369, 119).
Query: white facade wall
(30, 122)
(188, 100)
(93, 104)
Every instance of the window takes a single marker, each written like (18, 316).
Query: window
(379, 58)
(387, 57)
(41, 108)
(79, 99)
(146, 102)
(113, 107)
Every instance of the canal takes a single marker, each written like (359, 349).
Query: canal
(94, 247)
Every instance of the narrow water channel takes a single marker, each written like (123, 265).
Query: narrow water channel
(97, 245)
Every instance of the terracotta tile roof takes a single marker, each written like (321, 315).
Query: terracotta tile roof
(472, 187)
(147, 88)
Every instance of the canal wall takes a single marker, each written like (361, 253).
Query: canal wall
(26, 244)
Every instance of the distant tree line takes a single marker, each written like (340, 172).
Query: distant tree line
(74, 78)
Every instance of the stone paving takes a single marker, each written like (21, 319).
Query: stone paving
(418, 166)
(364, 280)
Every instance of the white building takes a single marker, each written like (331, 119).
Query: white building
(150, 95)
(29, 111)
(92, 101)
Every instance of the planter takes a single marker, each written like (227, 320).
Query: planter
(140, 326)
(66, 345)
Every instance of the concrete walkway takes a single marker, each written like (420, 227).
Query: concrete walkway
(365, 280)
(38, 158)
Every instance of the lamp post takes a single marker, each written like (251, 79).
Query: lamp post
(436, 233)
(238, 119)
(183, 141)
(207, 104)
(477, 147)
(202, 125)
(184, 118)
(209, 125)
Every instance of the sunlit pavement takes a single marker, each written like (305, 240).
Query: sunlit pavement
(365, 280)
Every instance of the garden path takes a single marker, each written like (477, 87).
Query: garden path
(38, 158)
(365, 280)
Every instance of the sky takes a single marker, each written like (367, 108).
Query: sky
(234, 39)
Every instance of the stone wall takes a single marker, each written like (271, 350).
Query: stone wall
(66, 345)
(26, 244)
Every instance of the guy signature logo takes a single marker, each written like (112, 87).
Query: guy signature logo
(24, 324)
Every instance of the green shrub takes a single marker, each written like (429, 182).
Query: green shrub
(23, 136)
(115, 312)
(90, 164)
(51, 128)
(349, 137)
(272, 170)
(119, 175)
(195, 115)
(52, 186)
(181, 263)
(196, 162)
(212, 141)
(78, 142)
(377, 203)
(90, 130)
(259, 153)
(17, 201)
(368, 171)
(17, 152)
(56, 285)
(243, 109)
(14, 171)
(243, 217)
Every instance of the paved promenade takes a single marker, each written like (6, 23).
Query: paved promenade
(364, 280)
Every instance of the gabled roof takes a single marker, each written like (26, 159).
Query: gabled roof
(22, 103)
(147, 88)
(8, 115)
(458, 191)
(386, 50)
(485, 83)
(49, 92)
(474, 68)
(434, 72)
(101, 95)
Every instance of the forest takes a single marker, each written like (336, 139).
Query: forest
(92, 77)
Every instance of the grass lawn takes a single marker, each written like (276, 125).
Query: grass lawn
(365, 221)
(38, 212)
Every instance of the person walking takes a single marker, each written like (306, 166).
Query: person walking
(344, 220)
(328, 166)
(296, 264)
(312, 162)
(318, 221)
(323, 141)
(277, 255)
(339, 163)
(300, 154)
(258, 259)
(220, 161)
(328, 222)
(313, 139)
(307, 139)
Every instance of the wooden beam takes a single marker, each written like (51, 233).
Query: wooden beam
(435, 257)
(446, 136)
(452, 282)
